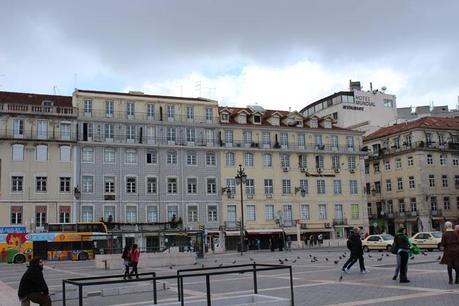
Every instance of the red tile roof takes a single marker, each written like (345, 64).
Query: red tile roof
(436, 123)
(34, 99)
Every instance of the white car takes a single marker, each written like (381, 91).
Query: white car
(378, 242)
(427, 240)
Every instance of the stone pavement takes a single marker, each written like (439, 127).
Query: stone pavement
(316, 282)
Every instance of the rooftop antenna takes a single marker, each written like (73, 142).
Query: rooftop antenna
(75, 80)
(55, 90)
(197, 87)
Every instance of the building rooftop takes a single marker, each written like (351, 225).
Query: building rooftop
(438, 123)
(7, 97)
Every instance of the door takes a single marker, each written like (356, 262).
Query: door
(129, 241)
(40, 249)
(152, 243)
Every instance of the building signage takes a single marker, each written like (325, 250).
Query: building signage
(359, 108)
(12, 229)
(364, 100)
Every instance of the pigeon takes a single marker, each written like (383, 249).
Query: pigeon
(336, 262)
(280, 260)
(220, 265)
(424, 253)
(251, 259)
(170, 267)
(412, 257)
(195, 263)
(310, 255)
(340, 257)
(215, 260)
(439, 257)
(387, 254)
(294, 261)
(202, 266)
(326, 259)
(286, 259)
(298, 257)
(379, 259)
(369, 256)
(313, 261)
(234, 261)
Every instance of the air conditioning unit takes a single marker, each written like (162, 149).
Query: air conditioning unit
(327, 225)
(249, 195)
(285, 169)
(284, 146)
(336, 170)
(352, 170)
(89, 138)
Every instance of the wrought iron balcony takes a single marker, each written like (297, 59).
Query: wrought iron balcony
(342, 221)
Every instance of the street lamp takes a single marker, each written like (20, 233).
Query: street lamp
(241, 178)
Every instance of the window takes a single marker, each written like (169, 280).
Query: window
(212, 214)
(320, 186)
(130, 109)
(130, 133)
(301, 140)
(337, 187)
(267, 160)
(209, 114)
(304, 187)
(17, 184)
(40, 216)
(401, 205)
(88, 184)
(189, 112)
(231, 184)
(390, 207)
(355, 211)
(210, 159)
(318, 141)
(231, 213)
(413, 204)
(41, 184)
(192, 185)
(109, 109)
(172, 212)
(285, 160)
(442, 159)
(411, 182)
(283, 139)
(109, 132)
(42, 152)
(150, 111)
(334, 142)
(456, 181)
(88, 155)
(18, 128)
(433, 203)
(431, 180)
(322, 212)
(444, 181)
(131, 156)
(172, 157)
(389, 103)
(247, 137)
(446, 203)
(131, 214)
(152, 214)
(388, 185)
(190, 134)
(410, 161)
(131, 184)
(87, 214)
(211, 185)
(171, 135)
(376, 167)
(339, 212)
(335, 162)
(429, 159)
(64, 214)
(109, 184)
(351, 162)
(192, 213)
(302, 161)
(268, 186)
(191, 159)
(353, 187)
(387, 165)
(251, 213)
(171, 185)
(250, 186)
(269, 212)
(229, 136)
(455, 162)
(87, 106)
(248, 159)
(64, 184)
(152, 185)
(42, 129)
(304, 210)
(65, 153)
(229, 162)
(266, 139)
(18, 151)
(170, 112)
(286, 186)
(398, 163)
(109, 156)
(287, 220)
(225, 117)
(350, 143)
(399, 184)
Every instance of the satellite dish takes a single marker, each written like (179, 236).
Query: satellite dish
(384, 88)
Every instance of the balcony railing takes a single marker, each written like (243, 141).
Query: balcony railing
(231, 225)
(29, 135)
(340, 221)
(38, 110)
(415, 145)
(436, 213)
(307, 147)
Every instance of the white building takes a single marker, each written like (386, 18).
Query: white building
(365, 111)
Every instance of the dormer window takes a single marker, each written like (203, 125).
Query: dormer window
(275, 120)
(314, 123)
(327, 124)
(257, 119)
(242, 118)
(47, 103)
(225, 117)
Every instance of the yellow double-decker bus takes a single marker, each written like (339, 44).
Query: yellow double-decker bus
(60, 241)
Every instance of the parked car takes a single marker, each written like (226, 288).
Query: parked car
(378, 242)
(427, 240)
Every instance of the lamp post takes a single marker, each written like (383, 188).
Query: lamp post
(241, 178)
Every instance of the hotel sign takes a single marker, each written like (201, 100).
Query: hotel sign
(364, 100)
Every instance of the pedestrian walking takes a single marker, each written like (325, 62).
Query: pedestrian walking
(311, 241)
(289, 243)
(134, 255)
(320, 239)
(126, 261)
(354, 244)
(402, 247)
(33, 287)
(315, 240)
(258, 243)
(450, 243)
(271, 244)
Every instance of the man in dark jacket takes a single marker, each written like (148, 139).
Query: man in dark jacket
(354, 244)
(402, 247)
(33, 286)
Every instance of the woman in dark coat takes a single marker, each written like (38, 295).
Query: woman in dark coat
(450, 243)
(33, 286)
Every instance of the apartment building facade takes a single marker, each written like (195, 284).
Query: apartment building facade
(38, 143)
(300, 170)
(413, 175)
(147, 158)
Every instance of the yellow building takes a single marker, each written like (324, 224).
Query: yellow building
(304, 175)
(413, 175)
(37, 135)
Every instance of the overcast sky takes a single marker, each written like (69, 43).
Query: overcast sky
(278, 54)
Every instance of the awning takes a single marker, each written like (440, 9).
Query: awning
(232, 233)
(263, 231)
(317, 230)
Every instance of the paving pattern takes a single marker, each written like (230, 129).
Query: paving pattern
(316, 275)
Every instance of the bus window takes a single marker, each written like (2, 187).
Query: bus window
(69, 227)
(83, 228)
(54, 227)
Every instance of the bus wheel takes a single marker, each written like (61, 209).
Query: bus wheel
(19, 258)
(83, 256)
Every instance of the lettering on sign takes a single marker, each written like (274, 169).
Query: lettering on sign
(359, 108)
(364, 100)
